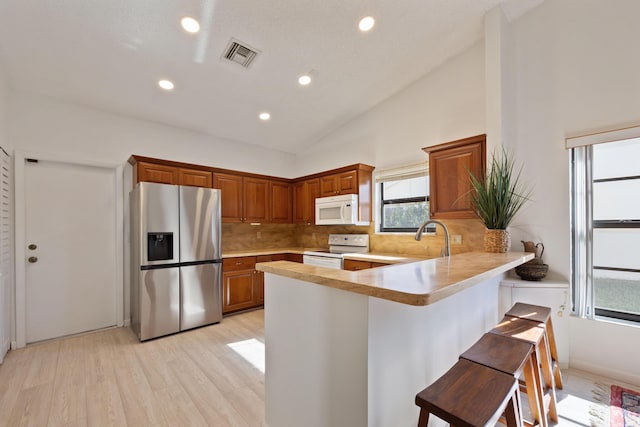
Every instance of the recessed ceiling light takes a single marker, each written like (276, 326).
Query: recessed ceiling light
(304, 79)
(366, 23)
(190, 25)
(166, 84)
(264, 116)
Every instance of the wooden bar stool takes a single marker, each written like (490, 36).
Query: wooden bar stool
(471, 395)
(533, 332)
(540, 314)
(517, 358)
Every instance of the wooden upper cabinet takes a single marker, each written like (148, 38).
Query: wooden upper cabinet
(242, 199)
(150, 172)
(354, 179)
(231, 195)
(247, 197)
(340, 183)
(280, 202)
(195, 178)
(304, 201)
(168, 174)
(449, 183)
(256, 200)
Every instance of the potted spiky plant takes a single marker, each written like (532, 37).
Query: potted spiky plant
(497, 198)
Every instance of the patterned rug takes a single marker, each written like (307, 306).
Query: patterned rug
(625, 407)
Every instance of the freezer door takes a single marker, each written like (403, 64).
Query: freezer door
(201, 295)
(199, 224)
(158, 223)
(159, 302)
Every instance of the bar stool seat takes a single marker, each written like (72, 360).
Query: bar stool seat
(540, 314)
(517, 358)
(534, 333)
(471, 395)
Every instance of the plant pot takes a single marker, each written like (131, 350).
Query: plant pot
(498, 241)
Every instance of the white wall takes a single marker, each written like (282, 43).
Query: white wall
(43, 124)
(445, 105)
(576, 71)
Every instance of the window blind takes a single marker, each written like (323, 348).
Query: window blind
(601, 137)
(403, 172)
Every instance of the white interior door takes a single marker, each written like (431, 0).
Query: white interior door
(70, 248)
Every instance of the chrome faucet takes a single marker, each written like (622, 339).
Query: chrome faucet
(447, 250)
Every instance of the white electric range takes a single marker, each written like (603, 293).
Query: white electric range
(339, 244)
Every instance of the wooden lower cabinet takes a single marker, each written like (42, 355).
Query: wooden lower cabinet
(260, 274)
(294, 258)
(353, 265)
(242, 284)
(239, 290)
(239, 284)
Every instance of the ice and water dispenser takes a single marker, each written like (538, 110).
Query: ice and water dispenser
(159, 246)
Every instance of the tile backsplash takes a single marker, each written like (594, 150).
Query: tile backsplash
(238, 237)
(265, 236)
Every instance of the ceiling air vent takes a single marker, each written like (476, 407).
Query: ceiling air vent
(240, 53)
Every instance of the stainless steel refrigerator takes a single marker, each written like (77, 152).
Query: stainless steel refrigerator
(176, 260)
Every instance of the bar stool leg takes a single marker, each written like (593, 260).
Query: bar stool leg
(423, 420)
(554, 354)
(534, 393)
(547, 373)
(512, 412)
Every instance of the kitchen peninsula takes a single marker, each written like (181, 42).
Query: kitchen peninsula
(352, 348)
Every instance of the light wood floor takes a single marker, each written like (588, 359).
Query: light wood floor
(108, 378)
(194, 378)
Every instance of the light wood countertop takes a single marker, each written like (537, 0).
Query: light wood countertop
(385, 258)
(256, 252)
(415, 283)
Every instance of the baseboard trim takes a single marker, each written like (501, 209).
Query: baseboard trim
(605, 371)
(4, 350)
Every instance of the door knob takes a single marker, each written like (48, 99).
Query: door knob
(33, 259)
(32, 247)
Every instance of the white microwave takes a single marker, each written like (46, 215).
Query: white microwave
(337, 210)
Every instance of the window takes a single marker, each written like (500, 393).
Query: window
(404, 198)
(606, 228)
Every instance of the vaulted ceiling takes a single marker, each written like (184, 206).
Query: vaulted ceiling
(110, 54)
